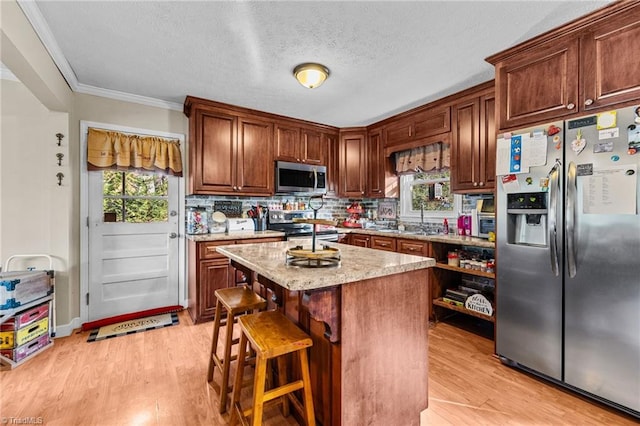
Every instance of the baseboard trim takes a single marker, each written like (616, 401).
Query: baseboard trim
(66, 330)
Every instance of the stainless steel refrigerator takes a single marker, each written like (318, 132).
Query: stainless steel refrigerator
(568, 252)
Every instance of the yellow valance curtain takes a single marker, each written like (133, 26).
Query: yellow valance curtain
(435, 156)
(120, 151)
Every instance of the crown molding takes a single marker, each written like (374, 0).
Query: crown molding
(128, 97)
(39, 24)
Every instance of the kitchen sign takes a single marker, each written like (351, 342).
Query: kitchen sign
(478, 303)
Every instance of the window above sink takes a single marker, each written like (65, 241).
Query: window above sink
(432, 188)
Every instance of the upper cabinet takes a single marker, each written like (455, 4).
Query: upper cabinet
(473, 142)
(333, 164)
(375, 164)
(287, 143)
(352, 158)
(413, 127)
(585, 66)
(364, 171)
(232, 149)
(300, 145)
(611, 61)
(229, 152)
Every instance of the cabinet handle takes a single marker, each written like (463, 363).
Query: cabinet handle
(475, 183)
(571, 105)
(235, 188)
(588, 102)
(362, 192)
(239, 188)
(481, 183)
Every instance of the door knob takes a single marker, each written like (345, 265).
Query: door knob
(173, 235)
(173, 213)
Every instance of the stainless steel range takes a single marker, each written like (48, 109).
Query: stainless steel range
(284, 221)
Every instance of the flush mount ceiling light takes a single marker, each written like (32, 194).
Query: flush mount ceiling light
(311, 75)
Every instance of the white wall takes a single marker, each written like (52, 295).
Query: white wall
(35, 213)
(34, 209)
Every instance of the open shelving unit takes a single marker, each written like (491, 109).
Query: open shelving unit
(445, 276)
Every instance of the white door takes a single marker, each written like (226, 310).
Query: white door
(133, 244)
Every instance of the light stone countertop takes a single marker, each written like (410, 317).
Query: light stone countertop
(240, 235)
(357, 264)
(439, 238)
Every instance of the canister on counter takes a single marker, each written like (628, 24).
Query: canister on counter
(453, 259)
(197, 222)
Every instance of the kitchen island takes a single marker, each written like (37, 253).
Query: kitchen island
(368, 318)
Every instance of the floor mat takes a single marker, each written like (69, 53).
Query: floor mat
(133, 326)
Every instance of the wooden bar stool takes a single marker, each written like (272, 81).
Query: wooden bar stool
(236, 301)
(272, 335)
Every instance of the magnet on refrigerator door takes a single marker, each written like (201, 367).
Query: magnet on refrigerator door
(633, 136)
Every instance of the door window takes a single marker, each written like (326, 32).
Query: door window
(132, 197)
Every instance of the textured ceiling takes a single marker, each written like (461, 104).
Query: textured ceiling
(384, 57)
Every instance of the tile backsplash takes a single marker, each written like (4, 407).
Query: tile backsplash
(336, 208)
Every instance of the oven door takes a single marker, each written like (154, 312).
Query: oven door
(320, 238)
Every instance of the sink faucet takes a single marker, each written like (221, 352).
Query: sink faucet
(422, 216)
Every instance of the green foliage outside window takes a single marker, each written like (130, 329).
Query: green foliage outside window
(134, 197)
(435, 193)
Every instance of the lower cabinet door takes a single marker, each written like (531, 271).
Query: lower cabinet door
(214, 275)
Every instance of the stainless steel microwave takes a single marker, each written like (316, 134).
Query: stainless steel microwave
(299, 177)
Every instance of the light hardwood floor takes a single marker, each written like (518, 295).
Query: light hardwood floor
(159, 378)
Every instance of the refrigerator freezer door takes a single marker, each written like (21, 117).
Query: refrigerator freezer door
(529, 296)
(602, 300)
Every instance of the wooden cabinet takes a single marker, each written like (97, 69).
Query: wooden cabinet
(364, 171)
(383, 243)
(443, 276)
(473, 146)
(229, 153)
(418, 248)
(300, 145)
(417, 124)
(209, 271)
(381, 181)
(287, 143)
(582, 67)
(314, 146)
(352, 160)
(360, 240)
(333, 165)
(610, 71)
(538, 86)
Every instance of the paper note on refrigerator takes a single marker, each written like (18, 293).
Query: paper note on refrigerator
(611, 191)
(509, 155)
(534, 150)
(503, 150)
